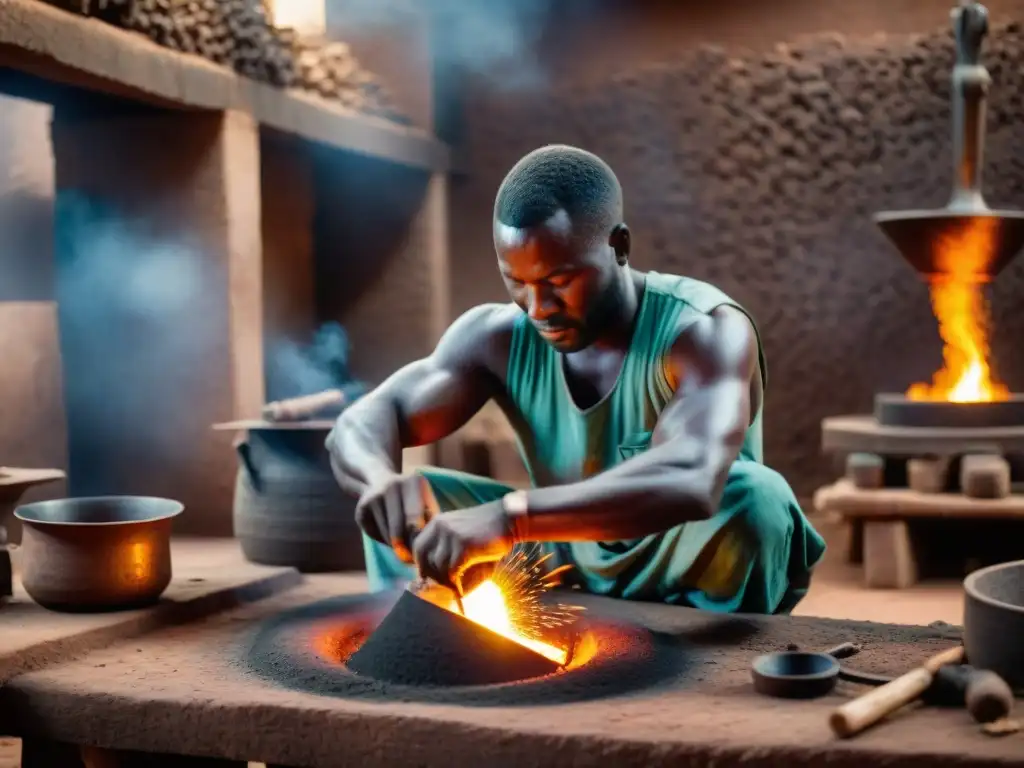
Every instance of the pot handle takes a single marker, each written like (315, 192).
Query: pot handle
(244, 451)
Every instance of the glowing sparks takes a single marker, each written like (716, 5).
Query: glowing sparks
(510, 603)
(959, 305)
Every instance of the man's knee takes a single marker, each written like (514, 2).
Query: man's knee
(762, 502)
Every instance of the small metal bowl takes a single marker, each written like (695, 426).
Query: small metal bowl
(795, 674)
(97, 554)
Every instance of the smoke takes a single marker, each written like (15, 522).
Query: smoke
(295, 369)
(135, 332)
(496, 39)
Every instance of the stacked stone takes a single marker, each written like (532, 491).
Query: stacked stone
(238, 34)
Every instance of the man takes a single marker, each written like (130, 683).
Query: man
(637, 402)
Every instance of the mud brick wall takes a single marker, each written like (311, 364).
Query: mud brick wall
(759, 171)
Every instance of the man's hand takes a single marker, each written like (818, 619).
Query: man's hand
(396, 510)
(456, 542)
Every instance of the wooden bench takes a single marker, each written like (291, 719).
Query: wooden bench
(880, 537)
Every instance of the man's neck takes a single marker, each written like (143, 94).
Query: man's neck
(622, 311)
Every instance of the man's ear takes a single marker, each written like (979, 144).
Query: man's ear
(619, 240)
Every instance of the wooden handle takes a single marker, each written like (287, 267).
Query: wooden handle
(298, 408)
(863, 712)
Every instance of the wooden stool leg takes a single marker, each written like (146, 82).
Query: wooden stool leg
(889, 561)
(855, 542)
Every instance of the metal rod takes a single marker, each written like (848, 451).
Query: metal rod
(970, 83)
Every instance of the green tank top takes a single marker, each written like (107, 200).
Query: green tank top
(562, 443)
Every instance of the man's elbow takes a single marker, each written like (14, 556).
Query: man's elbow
(692, 495)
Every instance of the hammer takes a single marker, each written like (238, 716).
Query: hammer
(985, 694)
(863, 712)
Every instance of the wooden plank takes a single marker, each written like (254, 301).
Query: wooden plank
(210, 575)
(59, 46)
(899, 503)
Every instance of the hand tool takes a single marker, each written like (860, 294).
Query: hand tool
(863, 712)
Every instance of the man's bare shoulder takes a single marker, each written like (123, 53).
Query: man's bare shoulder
(482, 335)
(720, 342)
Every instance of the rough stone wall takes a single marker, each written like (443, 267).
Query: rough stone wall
(759, 172)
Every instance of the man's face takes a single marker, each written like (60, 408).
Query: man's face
(559, 280)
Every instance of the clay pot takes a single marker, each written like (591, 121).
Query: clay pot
(288, 508)
(994, 621)
(97, 554)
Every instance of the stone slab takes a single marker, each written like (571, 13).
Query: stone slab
(56, 45)
(185, 690)
(846, 500)
(849, 434)
(209, 575)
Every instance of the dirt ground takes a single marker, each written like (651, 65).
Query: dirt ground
(835, 593)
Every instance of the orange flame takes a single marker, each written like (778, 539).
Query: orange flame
(486, 605)
(962, 312)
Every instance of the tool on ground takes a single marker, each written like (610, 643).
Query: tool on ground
(985, 694)
(306, 407)
(863, 712)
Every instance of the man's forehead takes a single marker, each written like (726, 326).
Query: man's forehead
(559, 226)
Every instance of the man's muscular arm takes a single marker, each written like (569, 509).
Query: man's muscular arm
(697, 438)
(421, 403)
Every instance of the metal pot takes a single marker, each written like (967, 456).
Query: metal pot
(104, 553)
(994, 621)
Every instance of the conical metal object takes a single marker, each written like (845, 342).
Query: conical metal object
(966, 239)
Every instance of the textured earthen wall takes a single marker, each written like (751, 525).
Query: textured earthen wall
(32, 430)
(288, 206)
(159, 292)
(757, 169)
(374, 228)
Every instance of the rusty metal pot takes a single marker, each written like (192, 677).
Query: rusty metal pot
(105, 553)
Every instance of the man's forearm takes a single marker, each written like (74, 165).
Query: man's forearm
(645, 495)
(367, 441)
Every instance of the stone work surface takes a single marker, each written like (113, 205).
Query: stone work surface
(759, 172)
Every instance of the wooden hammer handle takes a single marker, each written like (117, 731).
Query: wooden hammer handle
(863, 712)
(299, 408)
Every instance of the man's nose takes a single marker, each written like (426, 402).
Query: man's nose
(540, 303)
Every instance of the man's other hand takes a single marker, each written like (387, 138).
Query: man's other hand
(395, 510)
(457, 543)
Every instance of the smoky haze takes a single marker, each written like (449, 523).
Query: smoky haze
(495, 39)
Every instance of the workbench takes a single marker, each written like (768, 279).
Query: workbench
(186, 690)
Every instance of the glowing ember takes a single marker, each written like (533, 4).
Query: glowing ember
(486, 606)
(510, 603)
(959, 305)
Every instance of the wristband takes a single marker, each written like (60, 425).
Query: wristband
(517, 511)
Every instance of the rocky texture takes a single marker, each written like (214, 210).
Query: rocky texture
(237, 34)
(759, 172)
(199, 701)
(48, 43)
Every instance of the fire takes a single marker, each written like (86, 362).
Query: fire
(487, 606)
(959, 304)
